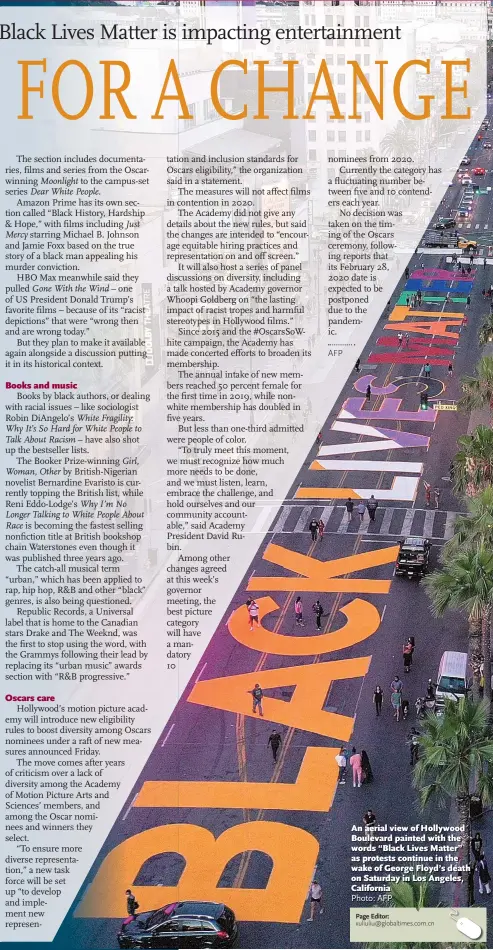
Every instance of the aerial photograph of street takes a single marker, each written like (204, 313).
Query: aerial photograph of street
(347, 690)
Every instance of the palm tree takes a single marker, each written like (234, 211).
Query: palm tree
(454, 750)
(466, 583)
(486, 331)
(478, 390)
(398, 141)
(475, 527)
(410, 894)
(473, 464)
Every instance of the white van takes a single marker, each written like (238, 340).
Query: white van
(452, 677)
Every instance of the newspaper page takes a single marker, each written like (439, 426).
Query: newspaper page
(247, 472)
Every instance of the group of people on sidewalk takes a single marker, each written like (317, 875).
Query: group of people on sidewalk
(371, 507)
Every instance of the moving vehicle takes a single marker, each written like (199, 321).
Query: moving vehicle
(466, 180)
(487, 145)
(452, 677)
(434, 238)
(479, 171)
(444, 223)
(413, 558)
(466, 160)
(183, 924)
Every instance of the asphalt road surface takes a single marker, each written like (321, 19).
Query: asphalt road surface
(199, 743)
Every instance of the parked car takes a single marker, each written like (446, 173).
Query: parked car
(487, 145)
(414, 557)
(479, 171)
(183, 924)
(467, 180)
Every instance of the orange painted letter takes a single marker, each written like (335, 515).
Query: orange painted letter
(305, 708)
(282, 900)
(326, 576)
(363, 620)
(313, 790)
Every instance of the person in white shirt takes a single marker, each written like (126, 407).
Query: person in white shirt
(315, 899)
(341, 760)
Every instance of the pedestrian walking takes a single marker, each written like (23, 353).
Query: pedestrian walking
(368, 393)
(378, 699)
(253, 612)
(468, 300)
(319, 612)
(399, 340)
(132, 904)
(407, 653)
(314, 529)
(436, 494)
(298, 611)
(405, 708)
(476, 847)
(315, 900)
(396, 701)
(422, 265)
(450, 369)
(367, 770)
(419, 295)
(471, 258)
(407, 273)
(427, 370)
(397, 685)
(406, 340)
(369, 822)
(361, 511)
(357, 365)
(350, 509)
(258, 696)
(355, 763)
(484, 262)
(274, 741)
(483, 292)
(483, 874)
(341, 760)
(372, 505)
(408, 301)
(427, 488)
(321, 529)
(413, 740)
(319, 438)
(447, 298)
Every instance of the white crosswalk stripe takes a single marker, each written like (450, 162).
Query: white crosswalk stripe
(431, 523)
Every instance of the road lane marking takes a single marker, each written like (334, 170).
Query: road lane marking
(170, 730)
(200, 674)
(130, 807)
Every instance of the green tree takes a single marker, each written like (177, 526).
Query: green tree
(486, 331)
(397, 141)
(455, 751)
(473, 464)
(477, 391)
(475, 527)
(465, 582)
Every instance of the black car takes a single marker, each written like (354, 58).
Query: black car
(414, 557)
(444, 223)
(184, 924)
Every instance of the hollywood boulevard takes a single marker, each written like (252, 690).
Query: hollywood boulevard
(212, 772)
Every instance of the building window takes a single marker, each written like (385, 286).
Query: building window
(189, 123)
(331, 153)
(312, 155)
(311, 77)
(331, 136)
(312, 136)
(209, 111)
(367, 117)
(367, 59)
(359, 137)
(340, 60)
(341, 79)
(341, 97)
(367, 135)
(342, 136)
(329, 20)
